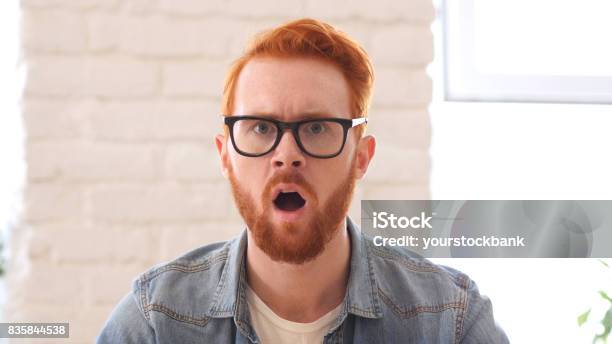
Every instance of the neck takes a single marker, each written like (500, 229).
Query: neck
(305, 292)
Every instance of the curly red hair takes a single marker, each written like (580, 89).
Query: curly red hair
(310, 38)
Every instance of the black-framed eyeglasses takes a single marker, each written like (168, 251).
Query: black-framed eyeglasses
(321, 138)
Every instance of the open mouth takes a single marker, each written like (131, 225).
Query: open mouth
(289, 201)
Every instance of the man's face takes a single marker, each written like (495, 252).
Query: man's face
(292, 203)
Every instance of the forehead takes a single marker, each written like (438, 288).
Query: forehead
(291, 88)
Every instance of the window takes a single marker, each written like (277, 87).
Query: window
(525, 52)
(528, 51)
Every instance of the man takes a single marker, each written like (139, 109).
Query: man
(301, 272)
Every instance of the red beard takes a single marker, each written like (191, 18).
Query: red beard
(288, 242)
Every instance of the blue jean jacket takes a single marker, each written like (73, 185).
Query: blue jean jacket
(393, 297)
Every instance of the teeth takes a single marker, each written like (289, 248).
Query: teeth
(287, 191)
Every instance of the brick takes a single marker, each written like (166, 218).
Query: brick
(402, 45)
(193, 162)
(16, 311)
(413, 11)
(106, 245)
(232, 211)
(170, 37)
(53, 31)
(85, 321)
(55, 118)
(156, 120)
(241, 33)
(171, 203)
(132, 244)
(91, 322)
(38, 246)
(417, 11)
(266, 8)
(360, 32)
(95, 76)
(201, 78)
(50, 201)
(71, 4)
(139, 7)
(192, 7)
(63, 286)
(104, 30)
(107, 284)
(86, 161)
(330, 10)
(71, 244)
(395, 165)
(402, 128)
(176, 241)
(401, 87)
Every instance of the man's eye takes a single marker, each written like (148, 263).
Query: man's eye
(262, 128)
(316, 128)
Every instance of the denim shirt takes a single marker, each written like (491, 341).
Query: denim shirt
(392, 296)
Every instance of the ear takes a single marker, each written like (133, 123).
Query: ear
(221, 143)
(365, 152)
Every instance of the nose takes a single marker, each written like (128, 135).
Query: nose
(288, 153)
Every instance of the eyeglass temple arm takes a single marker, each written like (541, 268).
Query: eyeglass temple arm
(358, 121)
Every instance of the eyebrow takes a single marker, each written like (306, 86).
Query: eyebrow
(301, 115)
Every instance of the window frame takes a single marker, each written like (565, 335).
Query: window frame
(463, 81)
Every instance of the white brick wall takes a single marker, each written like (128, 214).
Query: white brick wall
(120, 107)
(102, 76)
(194, 78)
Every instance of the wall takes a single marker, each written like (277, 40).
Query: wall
(120, 107)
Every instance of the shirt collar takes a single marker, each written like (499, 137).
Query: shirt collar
(362, 286)
(361, 299)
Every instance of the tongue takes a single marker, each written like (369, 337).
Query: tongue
(289, 201)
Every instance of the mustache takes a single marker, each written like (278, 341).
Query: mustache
(293, 177)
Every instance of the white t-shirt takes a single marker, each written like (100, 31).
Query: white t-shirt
(271, 328)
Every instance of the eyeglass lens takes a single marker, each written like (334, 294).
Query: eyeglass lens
(257, 136)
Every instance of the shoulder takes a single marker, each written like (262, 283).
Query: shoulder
(168, 288)
(195, 274)
(408, 268)
(409, 283)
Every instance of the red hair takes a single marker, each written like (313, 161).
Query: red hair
(310, 38)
